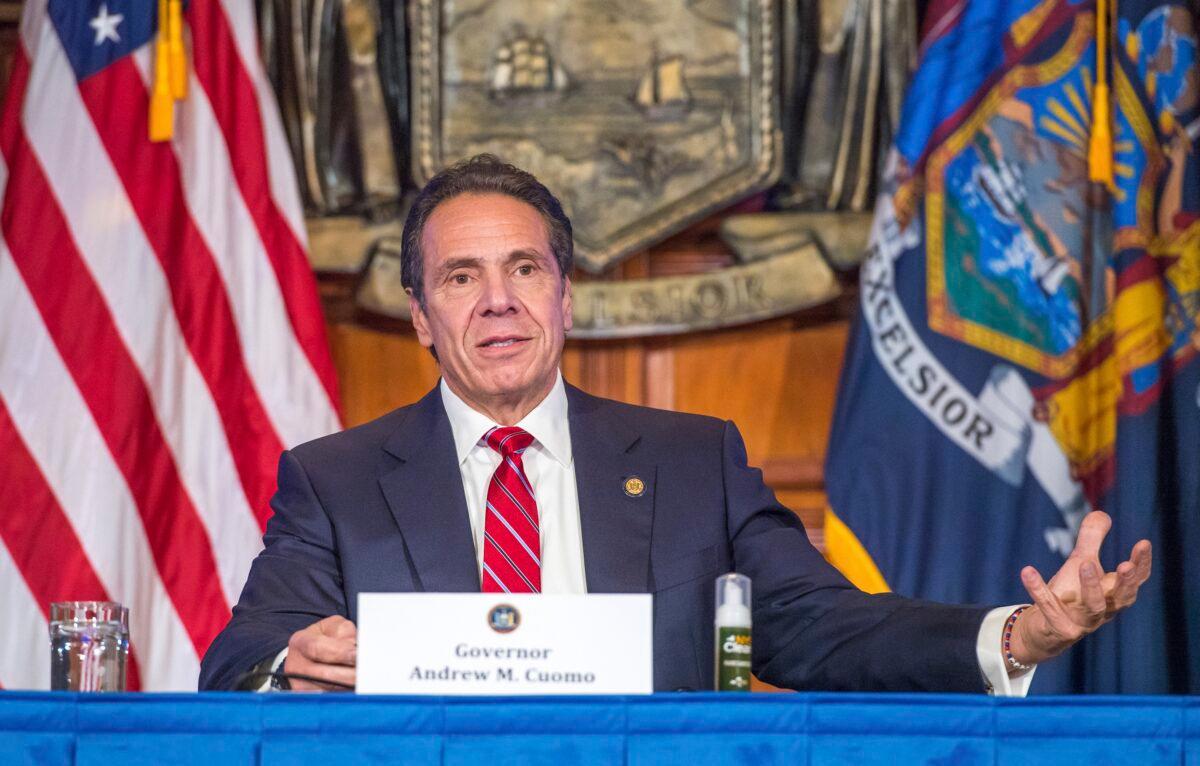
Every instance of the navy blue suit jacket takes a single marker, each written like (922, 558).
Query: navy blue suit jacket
(381, 507)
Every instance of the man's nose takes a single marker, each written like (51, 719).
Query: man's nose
(497, 296)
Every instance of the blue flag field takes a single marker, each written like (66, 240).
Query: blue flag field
(1026, 345)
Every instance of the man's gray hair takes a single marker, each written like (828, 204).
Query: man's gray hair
(481, 174)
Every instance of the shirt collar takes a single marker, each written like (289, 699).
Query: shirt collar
(547, 423)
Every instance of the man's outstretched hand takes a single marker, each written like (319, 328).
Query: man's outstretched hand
(327, 650)
(1080, 597)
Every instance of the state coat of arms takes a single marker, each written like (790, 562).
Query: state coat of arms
(641, 117)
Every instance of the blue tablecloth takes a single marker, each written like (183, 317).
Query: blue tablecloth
(218, 729)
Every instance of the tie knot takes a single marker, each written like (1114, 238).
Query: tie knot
(509, 440)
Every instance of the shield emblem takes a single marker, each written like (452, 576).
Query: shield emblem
(641, 117)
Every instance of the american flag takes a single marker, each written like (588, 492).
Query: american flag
(161, 339)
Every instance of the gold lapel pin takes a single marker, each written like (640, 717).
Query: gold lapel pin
(634, 487)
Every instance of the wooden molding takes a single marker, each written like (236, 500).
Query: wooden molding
(795, 473)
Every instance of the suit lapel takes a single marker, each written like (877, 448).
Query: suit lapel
(425, 494)
(615, 525)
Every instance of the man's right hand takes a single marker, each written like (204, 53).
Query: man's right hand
(327, 650)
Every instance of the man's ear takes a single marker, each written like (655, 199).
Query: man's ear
(419, 320)
(568, 305)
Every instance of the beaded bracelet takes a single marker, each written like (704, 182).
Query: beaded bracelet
(1008, 628)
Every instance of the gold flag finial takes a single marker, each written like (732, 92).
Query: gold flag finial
(162, 102)
(1100, 145)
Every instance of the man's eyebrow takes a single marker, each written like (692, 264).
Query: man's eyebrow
(523, 252)
(457, 263)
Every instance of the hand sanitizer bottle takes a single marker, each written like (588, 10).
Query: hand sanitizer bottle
(733, 633)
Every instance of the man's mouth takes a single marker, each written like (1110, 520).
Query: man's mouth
(501, 341)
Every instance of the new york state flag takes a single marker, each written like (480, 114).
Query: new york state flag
(1026, 345)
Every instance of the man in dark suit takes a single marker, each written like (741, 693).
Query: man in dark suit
(505, 479)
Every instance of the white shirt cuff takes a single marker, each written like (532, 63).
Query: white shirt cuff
(989, 652)
(276, 666)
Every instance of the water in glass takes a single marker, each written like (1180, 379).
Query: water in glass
(89, 644)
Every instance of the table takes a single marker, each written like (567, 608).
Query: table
(241, 728)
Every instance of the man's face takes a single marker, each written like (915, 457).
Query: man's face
(496, 307)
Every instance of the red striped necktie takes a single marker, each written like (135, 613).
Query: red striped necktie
(512, 547)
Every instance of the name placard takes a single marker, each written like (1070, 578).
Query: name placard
(501, 643)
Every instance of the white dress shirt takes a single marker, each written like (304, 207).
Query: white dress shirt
(550, 469)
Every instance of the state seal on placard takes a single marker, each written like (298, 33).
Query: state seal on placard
(504, 618)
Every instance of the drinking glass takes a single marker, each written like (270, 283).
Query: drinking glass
(89, 643)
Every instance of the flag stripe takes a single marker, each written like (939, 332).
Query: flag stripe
(119, 105)
(80, 323)
(24, 629)
(43, 546)
(232, 94)
(297, 405)
(61, 437)
(131, 281)
(243, 27)
(29, 536)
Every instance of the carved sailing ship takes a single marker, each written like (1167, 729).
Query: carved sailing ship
(525, 66)
(662, 93)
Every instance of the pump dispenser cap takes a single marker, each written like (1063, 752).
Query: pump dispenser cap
(733, 601)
